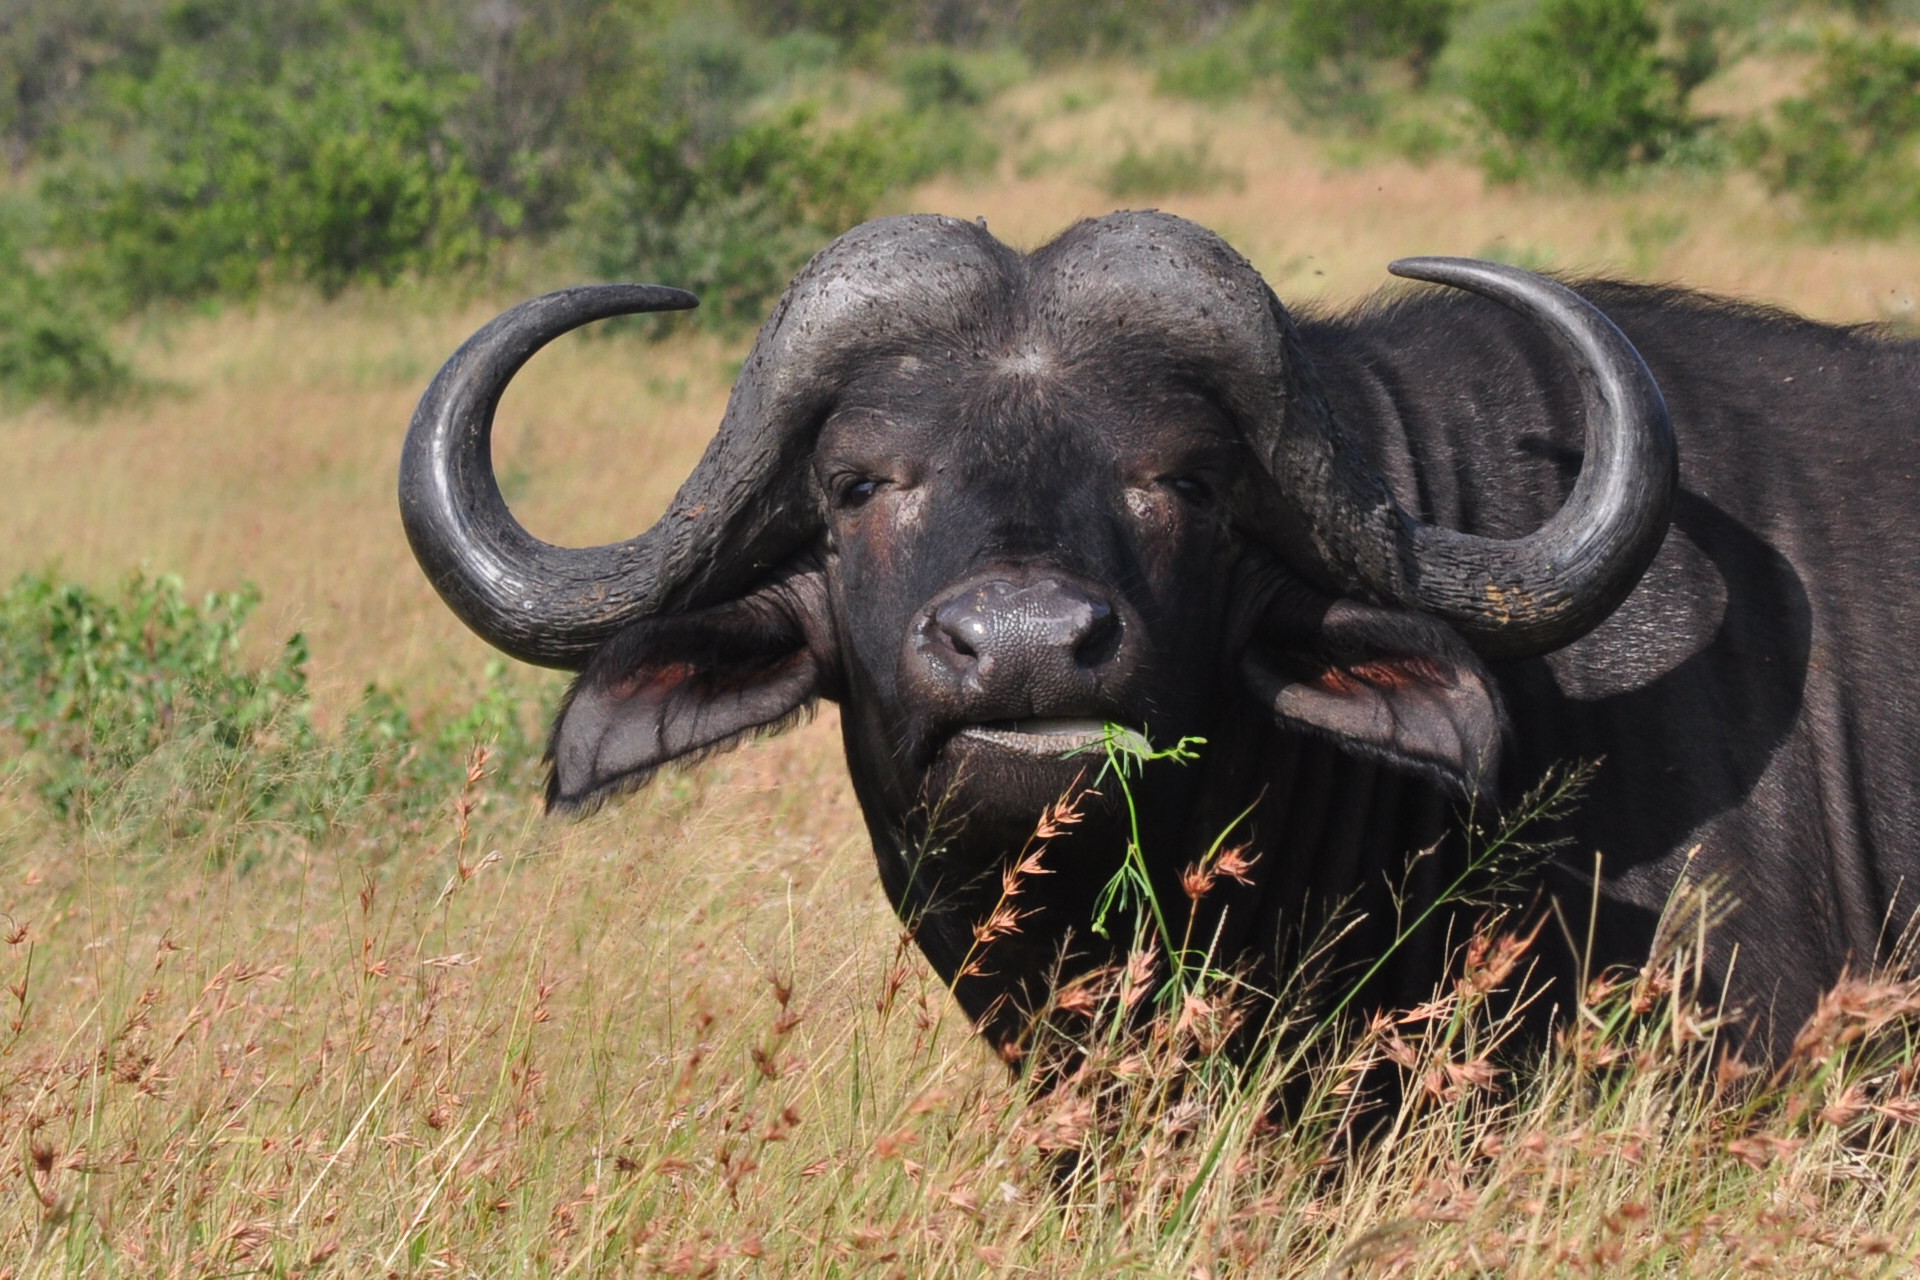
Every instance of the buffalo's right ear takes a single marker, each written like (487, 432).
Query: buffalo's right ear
(1384, 684)
(689, 684)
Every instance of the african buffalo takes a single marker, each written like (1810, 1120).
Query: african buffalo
(1387, 564)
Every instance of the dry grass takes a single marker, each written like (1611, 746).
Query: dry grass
(687, 1040)
(682, 1037)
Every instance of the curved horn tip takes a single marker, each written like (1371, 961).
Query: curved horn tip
(539, 603)
(641, 297)
(1592, 552)
(1458, 272)
(670, 298)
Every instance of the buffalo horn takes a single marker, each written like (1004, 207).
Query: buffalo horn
(747, 507)
(541, 603)
(1331, 515)
(1530, 595)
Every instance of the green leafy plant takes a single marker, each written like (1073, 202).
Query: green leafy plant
(1330, 57)
(1126, 752)
(934, 78)
(850, 22)
(1583, 86)
(210, 146)
(49, 345)
(1054, 30)
(340, 167)
(1228, 63)
(1408, 31)
(1130, 891)
(1846, 148)
(138, 709)
(733, 216)
(93, 684)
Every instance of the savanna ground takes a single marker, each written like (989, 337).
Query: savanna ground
(684, 1036)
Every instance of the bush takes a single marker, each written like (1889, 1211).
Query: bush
(1054, 30)
(933, 78)
(93, 685)
(731, 208)
(137, 710)
(849, 22)
(211, 145)
(732, 220)
(1228, 64)
(49, 53)
(49, 347)
(340, 167)
(1582, 86)
(938, 133)
(1846, 147)
(1326, 54)
(1409, 31)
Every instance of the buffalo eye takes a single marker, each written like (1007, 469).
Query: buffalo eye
(1191, 489)
(854, 492)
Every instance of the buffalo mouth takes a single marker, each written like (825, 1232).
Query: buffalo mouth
(1046, 737)
(1001, 777)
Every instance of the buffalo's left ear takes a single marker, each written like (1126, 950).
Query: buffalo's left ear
(1384, 684)
(688, 684)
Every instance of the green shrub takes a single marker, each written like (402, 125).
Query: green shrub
(213, 145)
(733, 220)
(547, 83)
(49, 346)
(93, 684)
(939, 132)
(1054, 30)
(1583, 86)
(934, 78)
(137, 710)
(1328, 56)
(1343, 31)
(1846, 148)
(49, 52)
(1228, 64)
(1207, 71)
(849, 22)
(341, 167)
(733, 217)
(1326, 53)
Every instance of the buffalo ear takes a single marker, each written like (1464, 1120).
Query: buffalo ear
(1383, 684)
(684, 685)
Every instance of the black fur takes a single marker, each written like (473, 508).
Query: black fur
(1753, 698)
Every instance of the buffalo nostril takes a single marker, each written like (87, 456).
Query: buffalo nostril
(964, 627)
(1099, 637)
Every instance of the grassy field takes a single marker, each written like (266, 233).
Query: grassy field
(683, 1037)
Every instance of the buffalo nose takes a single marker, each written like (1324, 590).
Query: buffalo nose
(1031, 645)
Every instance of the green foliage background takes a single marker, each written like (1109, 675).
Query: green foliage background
(1846, 147)
(170, 152)
(136, 711)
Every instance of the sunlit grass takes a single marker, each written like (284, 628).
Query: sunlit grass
(513, 1048)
